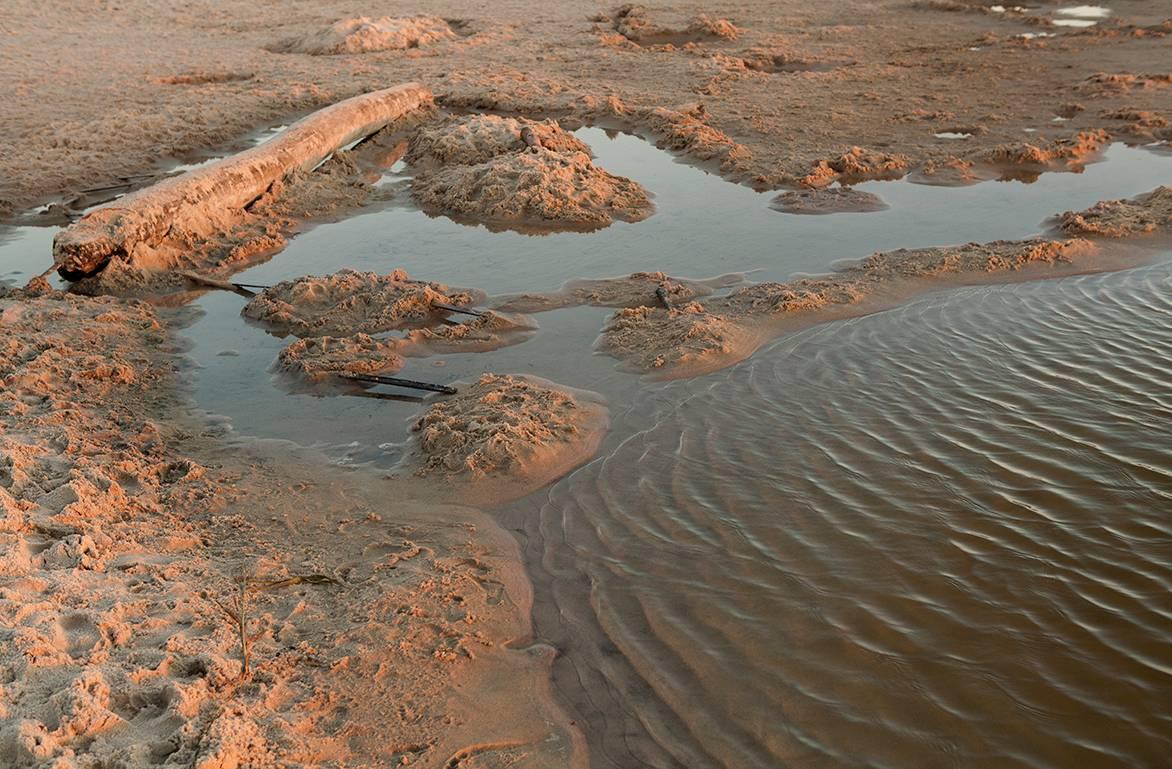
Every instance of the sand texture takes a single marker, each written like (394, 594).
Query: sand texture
(702, 337)
(638, 289)
(506, 172)
(832, 200)
(364, 35)
(124, 559)
(82, 115)
(1143, 214)
(350, 302)
(504, 425)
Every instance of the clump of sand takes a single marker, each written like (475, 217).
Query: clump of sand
(689, 337)
(698, 338)
(827, 200)
(687, 130)
(634, 290)
(1107, 83)
(489, 331)
(318, 358)
(364, 35)
(536, 187)
(349, 302)
(856, 165)
(503, 425)
(1070, 152)
(1122, 218)
(947, 172)
(643, 27)
(474, 139)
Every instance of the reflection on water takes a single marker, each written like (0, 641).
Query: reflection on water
(935, 536)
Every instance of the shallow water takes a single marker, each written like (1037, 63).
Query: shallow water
(933, 536)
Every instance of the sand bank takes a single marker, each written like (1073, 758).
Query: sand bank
(635, 290)
(701, 337)
(349, 302)
(129, 536)
(1147, 213)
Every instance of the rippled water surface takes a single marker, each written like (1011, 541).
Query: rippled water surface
(935, 536)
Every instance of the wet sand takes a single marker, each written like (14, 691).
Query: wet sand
(888, 76)
(366, 613)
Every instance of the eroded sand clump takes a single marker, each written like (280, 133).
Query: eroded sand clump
(1069, 153)
(689, 338)
(504, 425)
(634, 290)
(1122, 218)
(827, 200)
(489, 331)
(474, 139)
(856, 165)
(538, 187)
(698, 338)
(350, 302)
(637, 24)
(688, 131)
(364, 35)
(318, 358)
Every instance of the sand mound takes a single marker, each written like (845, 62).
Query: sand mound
(698, 338)
(1070, 152)
(634, 290)
(490, 331)
(537, 187)
(474, 139)
(946, 172)
(688, 131)
(1105, 83)
(686, 338)
(501, 425)
(364, 35)
(832, 200)
(1122, 218)
(318, 358)
(349, 302)
(856, 165)
(638, 25)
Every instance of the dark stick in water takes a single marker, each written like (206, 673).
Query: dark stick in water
(395, 381)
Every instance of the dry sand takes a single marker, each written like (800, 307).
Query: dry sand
(376, 630)
(506, 172)
(887, 76)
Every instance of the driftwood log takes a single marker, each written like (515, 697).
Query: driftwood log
(215, 191)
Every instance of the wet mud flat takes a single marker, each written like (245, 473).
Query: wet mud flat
(623, 642)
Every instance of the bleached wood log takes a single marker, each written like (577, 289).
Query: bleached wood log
(214, 192)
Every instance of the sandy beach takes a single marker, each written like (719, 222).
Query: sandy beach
(176, 593)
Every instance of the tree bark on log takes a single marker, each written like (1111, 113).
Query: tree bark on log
(218, 189)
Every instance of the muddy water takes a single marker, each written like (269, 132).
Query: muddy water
(934, 536)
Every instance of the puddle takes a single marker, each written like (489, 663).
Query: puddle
(698, 219)
(809, 549)
(1084, 12)
(953, 135)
